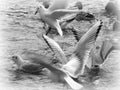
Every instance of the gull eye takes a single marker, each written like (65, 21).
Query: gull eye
(14, 57)
(97, 47)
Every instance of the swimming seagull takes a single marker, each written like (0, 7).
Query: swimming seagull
(55, 12)
(111, 8)
(26, 66)
(79, 5)
(46, 3)
(75, 66)
(55, 74)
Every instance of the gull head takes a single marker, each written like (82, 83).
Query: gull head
(40, 10)
(15, 58)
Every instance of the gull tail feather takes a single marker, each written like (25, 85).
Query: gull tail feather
(74, 85)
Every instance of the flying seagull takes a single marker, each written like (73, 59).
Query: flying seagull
(75, 66)
(54, 13)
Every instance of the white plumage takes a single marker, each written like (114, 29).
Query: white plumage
(56, 11)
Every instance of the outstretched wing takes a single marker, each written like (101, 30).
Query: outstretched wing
(99, 55)
(56, 49)
(107, 47)
(86, 42)
(36, 58)
(88, 38)
(76, 64)
(58, 4)
(57, 14)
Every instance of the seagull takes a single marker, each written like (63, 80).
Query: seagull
(46, 3)
(54, 13)
(75, 65)
(99, 53)
(55, 74)
(111, 8)
(97, 56)
(79, 5)
(72, 68)
(116, 25)
(26, 66)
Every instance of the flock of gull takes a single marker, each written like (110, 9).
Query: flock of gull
(69, 71)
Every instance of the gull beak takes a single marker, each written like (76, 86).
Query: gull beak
(36, 11)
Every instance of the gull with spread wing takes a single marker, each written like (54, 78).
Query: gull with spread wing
(75, 66)
(99, 53)
(55, 12)
(72, 68)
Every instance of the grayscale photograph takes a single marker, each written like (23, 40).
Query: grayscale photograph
(59, 44)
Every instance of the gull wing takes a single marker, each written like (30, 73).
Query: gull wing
(86, 39)
(77, 63)
(95, 54)
(107, 47)
(86, 42)
(57, 14)
(58, 4)
(98, 56)
(39, 59)
(35, 58)
(56, 48)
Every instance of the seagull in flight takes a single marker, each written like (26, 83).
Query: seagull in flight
(76, 64)
(71, 68)
(54, 13)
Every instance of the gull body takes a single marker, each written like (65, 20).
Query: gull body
(54, 13)
(26, 66)
(75, 65)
